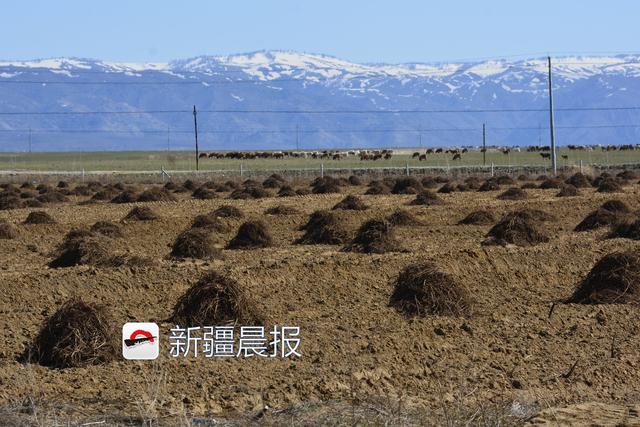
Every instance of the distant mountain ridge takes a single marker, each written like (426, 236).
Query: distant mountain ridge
(291, 81)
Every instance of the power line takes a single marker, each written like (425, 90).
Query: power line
(229, 111)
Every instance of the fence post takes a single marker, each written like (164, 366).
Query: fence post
(82, 174)
(321, 170)
(492, 171)
(580, 165)
(241, 170)
(407, 168)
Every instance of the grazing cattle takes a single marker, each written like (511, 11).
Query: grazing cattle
(416, 154)
(565, 157)
(457, 156)
(202, 155)
(422, 157)
(545, 155)
(506, 151)
(387, 156)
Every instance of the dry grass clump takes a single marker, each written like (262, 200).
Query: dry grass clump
(190, 185)
(423, 289)
(228, 211)
(107, 228)
(156, 194)
(427, 198)
(513, 193)
(529, 186)
(615, 205)
(281, 210)
(82, 190)
(473, 182)
(325, 185)
(211, 222)
(7, 230)
(10, 201)
(568, 190)
(215, 300)
(204, 193)
(104, 194)
(351, 202)
(408, 185)
(33, 203)
(141, 213)
(195, 243)
(579, 180)
(325, 228)
(81, 247)
(375, 236)
(521, 228)
(401, 217)
(377, 188)
(78, 334)
(627, 175)
(251, 235)
(479, 217)
(52, 197)
(39, 217)
(489, 185)
(615, 279)
(610, 185)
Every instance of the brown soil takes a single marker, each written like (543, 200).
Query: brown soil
(480, 217)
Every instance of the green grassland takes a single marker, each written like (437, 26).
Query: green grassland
(185, 161)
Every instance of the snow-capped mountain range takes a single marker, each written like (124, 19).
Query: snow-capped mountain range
(319, 102)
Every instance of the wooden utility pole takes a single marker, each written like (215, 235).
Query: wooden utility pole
(195, 128)
(554, 166)
(484, 145)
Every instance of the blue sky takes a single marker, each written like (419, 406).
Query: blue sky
(357, 30)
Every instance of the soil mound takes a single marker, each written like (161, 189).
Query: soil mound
(157, 194)
(287, 191)
(579, 180)
(377, 188)
(125, 197)
(211, 222)
(616, 205)
(281, 210)
(550, 183)
(626, 228)
(107, 228)
(325, 185)
(609, 185)
(408, 185)
(354, 180)
(81, 247)
(204, 193)
(568, 190)
(422, 289)
(489, 185)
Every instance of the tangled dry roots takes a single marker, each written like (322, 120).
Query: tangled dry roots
(281, 210)
(215, 300)
(521, 228)
(39, 217)
(489, 185)
(211, 222)
(323, 228)
(107, 228)
(408, 185)
(375, 236)
(568, 190)
(377, 188)
(610, 213)
(423, 289)
(78, 334)
(626, 228)
(251, 235)
(228, 211)
(324, 185)
(402, 217)
(427, 198)
(195, 243)
(513, 193)
(141, 213)
(479, 217)
(579, 180)
(7, 230)
(351, 202)
(81, 247)
(615, 279)
(156, 194)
